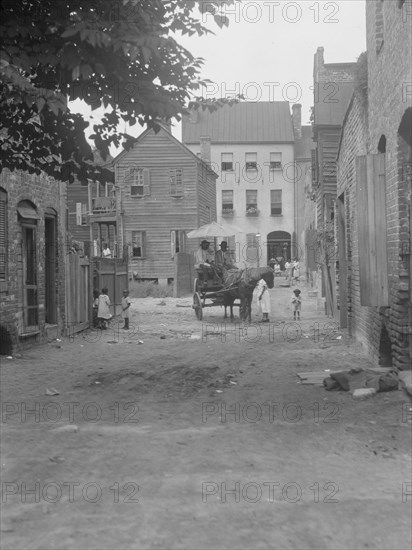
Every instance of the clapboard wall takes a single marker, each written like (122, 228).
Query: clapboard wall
(157, 213)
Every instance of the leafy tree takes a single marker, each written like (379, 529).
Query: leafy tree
(122, 55)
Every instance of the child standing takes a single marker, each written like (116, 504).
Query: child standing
(103, 309)
(297, 302)
(125, 309)
(263, 300)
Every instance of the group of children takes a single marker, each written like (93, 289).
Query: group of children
(101, 309)
(263, 301)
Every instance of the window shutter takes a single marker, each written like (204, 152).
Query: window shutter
(371, 217)
(172, 244)
(78, 213)
(146, 181)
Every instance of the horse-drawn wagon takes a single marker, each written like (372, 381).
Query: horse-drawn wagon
(220, 287)
(217, 286)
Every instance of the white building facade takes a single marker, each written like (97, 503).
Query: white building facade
(251, 147)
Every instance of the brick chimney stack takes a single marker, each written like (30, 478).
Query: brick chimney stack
(297, 120)
(205, 149)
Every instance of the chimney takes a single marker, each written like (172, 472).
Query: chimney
(205, 149)
(319, 63)
(297, 120)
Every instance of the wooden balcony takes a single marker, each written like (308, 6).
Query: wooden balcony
(103, 209)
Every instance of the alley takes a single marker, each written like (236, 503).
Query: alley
(188, 434)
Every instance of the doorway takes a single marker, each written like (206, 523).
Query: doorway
(50, 258)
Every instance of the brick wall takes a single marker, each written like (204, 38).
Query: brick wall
(44, 193)
(382, 330)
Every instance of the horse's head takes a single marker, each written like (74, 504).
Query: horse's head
(269, 277)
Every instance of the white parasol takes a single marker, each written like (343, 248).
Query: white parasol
(214, 229)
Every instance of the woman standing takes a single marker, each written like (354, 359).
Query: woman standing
(263, 300)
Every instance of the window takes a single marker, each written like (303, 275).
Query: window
(81, 213)
(138, 244)
(176, 182)
(139, 181)
(227, 162)
(177, 242)
(275, 161)
(276, 202)
(251, 161)
(227, 202)
(251, 202)
(379, 25)
(3, 235)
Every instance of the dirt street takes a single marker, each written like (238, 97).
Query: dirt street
(186, 434)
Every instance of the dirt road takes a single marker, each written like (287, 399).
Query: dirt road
(201, 437)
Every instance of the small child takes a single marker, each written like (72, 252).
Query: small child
(296, 301)
(125, 309)
(103, 309)
(95, 307)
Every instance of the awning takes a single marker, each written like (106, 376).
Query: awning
(28, 213)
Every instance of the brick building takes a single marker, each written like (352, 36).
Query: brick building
(374, 190)
(32, 258)
(333, 88)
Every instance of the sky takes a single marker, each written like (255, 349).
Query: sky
(267, 51)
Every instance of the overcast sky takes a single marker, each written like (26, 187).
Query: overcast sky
(267, 51)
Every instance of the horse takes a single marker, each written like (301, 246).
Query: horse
(240, 284)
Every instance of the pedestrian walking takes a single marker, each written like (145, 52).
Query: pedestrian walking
(296, 270)
(126, 303)
(263, 300)
(103, 309)
(297, 304)
(288, 269)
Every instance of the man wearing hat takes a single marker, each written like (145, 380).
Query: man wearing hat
(223, 257)
(203, 255)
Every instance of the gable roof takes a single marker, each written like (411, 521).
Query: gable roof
(182, 146)
(244, 122)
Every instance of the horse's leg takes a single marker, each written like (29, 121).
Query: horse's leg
(249, 307)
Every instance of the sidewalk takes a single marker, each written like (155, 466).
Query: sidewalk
(201, 437)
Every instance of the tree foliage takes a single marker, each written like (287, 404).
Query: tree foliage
(122, 55)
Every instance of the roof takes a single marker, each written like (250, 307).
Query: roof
(332, 103)
(304, 146)
(141, 137)
(244, 122)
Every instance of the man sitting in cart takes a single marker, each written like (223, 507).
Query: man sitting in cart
(204, 260)
(223, 257)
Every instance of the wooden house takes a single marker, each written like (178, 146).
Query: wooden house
(164, 190)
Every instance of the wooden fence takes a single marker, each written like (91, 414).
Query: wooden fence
(78, 293)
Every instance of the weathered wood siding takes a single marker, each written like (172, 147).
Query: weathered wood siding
(159, 213)
(76, 192)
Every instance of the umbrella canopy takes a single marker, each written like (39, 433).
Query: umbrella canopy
(214, 229)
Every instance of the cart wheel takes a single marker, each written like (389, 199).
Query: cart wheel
(197, 306)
